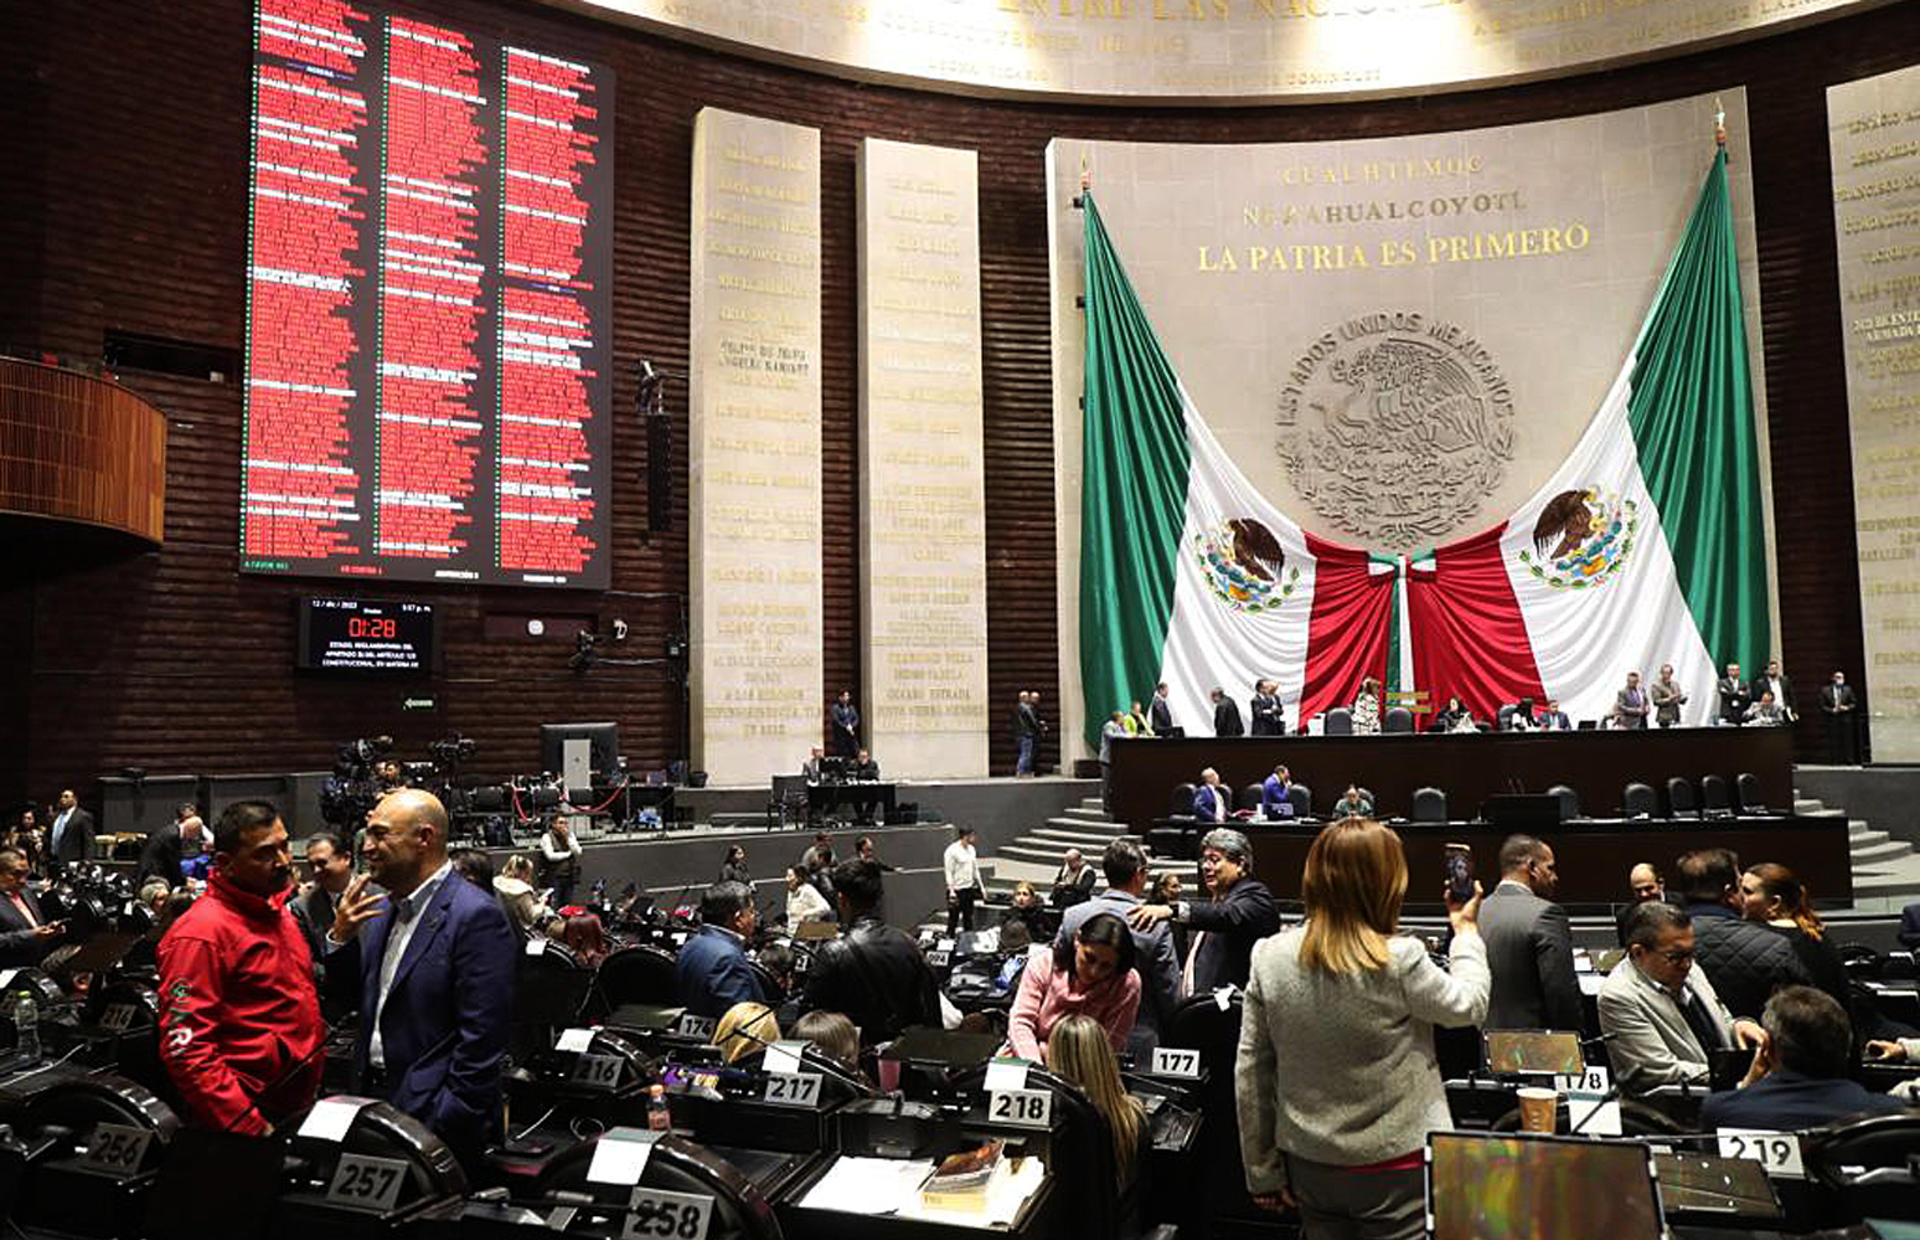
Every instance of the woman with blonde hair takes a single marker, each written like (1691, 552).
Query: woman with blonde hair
(833, 1035)
(1342, 1009)
(744, 1029)
(1079, 1052)
(514, 885)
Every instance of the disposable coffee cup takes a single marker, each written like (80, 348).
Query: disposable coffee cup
(1538, 1108)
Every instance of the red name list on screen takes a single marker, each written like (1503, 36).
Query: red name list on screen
(429, 304)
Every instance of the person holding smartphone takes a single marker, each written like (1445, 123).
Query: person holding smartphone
(1342, 1010)
(25, 935)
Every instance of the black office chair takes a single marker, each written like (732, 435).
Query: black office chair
(1569, 801)
(1747, 795)
(1302, 798)
(1248, 797)
(1429, 805)
(643, 975)
(1869, 1165)
(1199, 1024)
(552, 991)
(1503, 718)
(1638, 801)
(1181, 806)
(1714, 799)
(1399, 719)
(676, 1165)
(1337, 722)
(1681, 802)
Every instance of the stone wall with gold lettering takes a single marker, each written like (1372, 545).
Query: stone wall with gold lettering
(923, 537)
(754, 445)
(1522, 258)
(1167, 51)
(1874, 132)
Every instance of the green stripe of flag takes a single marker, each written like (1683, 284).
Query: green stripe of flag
(1691, 410)
(1133, 489)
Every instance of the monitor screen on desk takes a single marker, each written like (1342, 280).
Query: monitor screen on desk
(604, 737)
(1481, 1185)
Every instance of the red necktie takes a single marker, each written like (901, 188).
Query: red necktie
(26, 912)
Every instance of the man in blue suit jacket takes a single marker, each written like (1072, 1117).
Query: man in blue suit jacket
(1275, 801)
(430, 966)
(1211, 801)
(712, 972)
(1799, 1078)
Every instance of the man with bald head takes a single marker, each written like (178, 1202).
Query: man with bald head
(1645, 882)
(429, 963)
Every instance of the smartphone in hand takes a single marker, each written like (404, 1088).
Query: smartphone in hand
(1459, 869)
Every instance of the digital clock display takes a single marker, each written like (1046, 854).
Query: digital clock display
(358, 635)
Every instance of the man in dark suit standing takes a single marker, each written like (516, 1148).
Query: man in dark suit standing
(1735, 697)
(71, 839)
(1529, 943)
(846, 725)
(1226, 715)
(1775, 681)
(329, 872)
(25, 936)
(1837, 707)
(1028, 728)
(1222, 931)
(166, 848)
(712, 972)
(1269, 718)
(430, 964)
(1160, 711)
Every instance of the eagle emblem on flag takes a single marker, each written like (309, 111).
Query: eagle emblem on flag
(1581, 539)
(1245, 566)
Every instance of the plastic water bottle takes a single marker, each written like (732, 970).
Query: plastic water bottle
(26, 1025)
(659, 1118)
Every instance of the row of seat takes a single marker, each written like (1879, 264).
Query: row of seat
(1711, 798)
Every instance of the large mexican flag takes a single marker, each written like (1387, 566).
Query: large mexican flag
(1646, 546)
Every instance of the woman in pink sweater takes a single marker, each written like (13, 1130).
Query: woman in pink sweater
(1092, 976)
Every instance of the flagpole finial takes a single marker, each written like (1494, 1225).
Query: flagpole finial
(1719, 122)
(1086, 172)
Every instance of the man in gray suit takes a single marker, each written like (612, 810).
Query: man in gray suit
(1125, 866)
(1661, 1014)
(1529, 943)
(1630, 705)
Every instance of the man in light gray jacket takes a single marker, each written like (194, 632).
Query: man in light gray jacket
(1661, 1014)
(1529, 943)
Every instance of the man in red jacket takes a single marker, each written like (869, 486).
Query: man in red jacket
(240, 1027)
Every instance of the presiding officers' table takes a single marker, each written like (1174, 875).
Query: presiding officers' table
(1468, 767)
(1591, 856)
